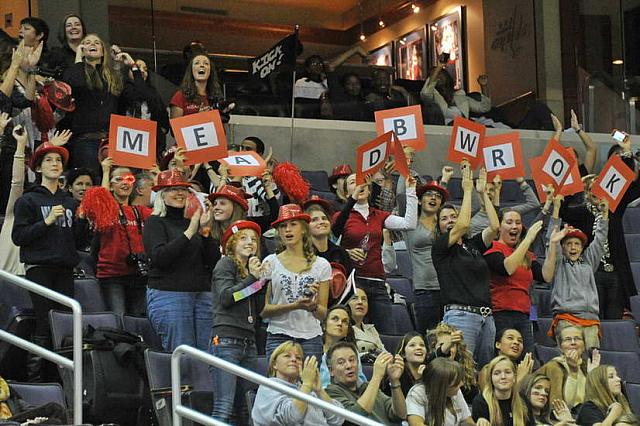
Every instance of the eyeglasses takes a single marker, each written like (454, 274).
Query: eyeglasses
(129, 179)
(435, 194)
(572, 339)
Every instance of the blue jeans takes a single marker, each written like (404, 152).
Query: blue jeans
(180, 317)
(124, 295)
(479, 333)
(517, 321)
(228, 389)
(380, 310)
(428, 309)
(310, 347)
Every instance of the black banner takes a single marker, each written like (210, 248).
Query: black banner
(284, 52)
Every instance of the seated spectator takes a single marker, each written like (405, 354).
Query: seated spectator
(498, 405)
(288, 366)
(350, 104)
(366, 336)
(534, 392)
(311, 91)
(604, 401)
(336, 329)
(366, 399)
(568, 371)
(413, 349)
(15, 409)
(437, 399)
(234, 316)
(386, 95)
(77, 181)
(509, 343)
(297, 295)
(574, 298)
(447, 342)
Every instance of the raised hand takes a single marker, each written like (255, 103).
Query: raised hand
(411, 182)
(447, 173)
(603, 207)
(533, 231)
(395, 368)
(106, 164)
(557, 125)
(309, 372)
(380, 364)
(525, 366)
(18, 55)
(575, 124)
(21, 136)
(467, 176)
(561, 410)
(61, 138)
(32, 56)
(594, 361)
(481, 182)
(255, 266)
(558, 234)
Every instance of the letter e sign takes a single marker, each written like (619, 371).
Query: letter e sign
(201, 135)
(613, 181)
(132, 141)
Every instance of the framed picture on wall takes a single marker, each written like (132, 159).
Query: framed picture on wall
(447, 45)
(411, 56)
(382, 56)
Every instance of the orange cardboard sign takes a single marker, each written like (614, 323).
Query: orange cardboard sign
(201, 135)
(467, 139)
(503, 156)
(613, 181)
(132, 141)
(535, 164)
(246, 163)
(556, 164)
(573, 184)
(397, 151)
(371, 156)
(405, 122)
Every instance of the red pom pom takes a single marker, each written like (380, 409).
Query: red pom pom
(100, 208)
(290, 181)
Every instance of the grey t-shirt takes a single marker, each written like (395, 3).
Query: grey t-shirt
(419, 242)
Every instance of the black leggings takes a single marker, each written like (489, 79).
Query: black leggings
(56, 278)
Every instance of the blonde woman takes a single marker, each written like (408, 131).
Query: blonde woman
(296, 299)
(604, 401)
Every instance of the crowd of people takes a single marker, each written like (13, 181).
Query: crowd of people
(216, 261)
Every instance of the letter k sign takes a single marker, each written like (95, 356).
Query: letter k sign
(614, 180)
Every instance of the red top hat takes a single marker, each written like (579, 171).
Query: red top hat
(59, 94)
(433, 186)
(232, 193)
(339, 171)
(576, 233)
(290, 212)
(326, 205)
(44, 149)
(169, 179)
(237, 226)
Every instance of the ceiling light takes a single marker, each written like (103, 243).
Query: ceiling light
(618, 62)
(381, 23)
(363, 37)
(415, 8)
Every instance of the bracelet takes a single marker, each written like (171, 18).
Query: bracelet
(18, 156)
(579, 129)
(394, 387)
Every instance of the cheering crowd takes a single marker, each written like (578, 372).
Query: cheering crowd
(218, 261)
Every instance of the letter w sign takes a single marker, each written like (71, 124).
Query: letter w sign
(467, 140)
(132, 141)
(613, 181)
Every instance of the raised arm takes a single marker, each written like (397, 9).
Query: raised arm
(549, 265)
(516, 258)
(591, 151)
(410, 219)
(594, 251)
(464, 215)
(490, 232)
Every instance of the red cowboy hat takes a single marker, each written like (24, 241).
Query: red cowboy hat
(237, 195)
(170, 179)
(338, 280)
(433, 186)
(44, 149)
(290, 212)
(576, 233)
(237, 226)
(325, 204)
(59, 94)
(339, 171)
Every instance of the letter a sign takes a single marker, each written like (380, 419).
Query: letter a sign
(613, 181)
(201, 135)
(371, 156)
(406, 122)
(132, 141)
(245, 164)
(503, 156)
(467, 139)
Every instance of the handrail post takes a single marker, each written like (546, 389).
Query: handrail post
(76, 364)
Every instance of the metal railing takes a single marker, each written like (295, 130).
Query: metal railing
(180, 410)
(76, 363)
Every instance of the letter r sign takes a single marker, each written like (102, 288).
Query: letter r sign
(613, 181)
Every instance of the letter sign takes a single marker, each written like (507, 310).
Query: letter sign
(406, 123)
(201, 135)
(556, 164)
(371, 156)
(247, 163)
(132, 141)
(467, 140)
(613, 181)
(503, 156)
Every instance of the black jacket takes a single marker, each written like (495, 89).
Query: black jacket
(53, 245)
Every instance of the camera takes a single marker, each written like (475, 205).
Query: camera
(140, 262)
(308, 293)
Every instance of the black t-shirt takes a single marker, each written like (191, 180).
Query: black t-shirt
(480, 409)
(463, 273)
(589, 414)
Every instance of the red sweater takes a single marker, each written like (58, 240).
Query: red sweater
(187, 107)
(354, 236)
(510, 292)
(114, 248)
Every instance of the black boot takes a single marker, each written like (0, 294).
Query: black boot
(38, 368)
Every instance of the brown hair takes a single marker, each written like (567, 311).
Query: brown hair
(108, 76)
(440, 374)
(231, 247)
(598, 392)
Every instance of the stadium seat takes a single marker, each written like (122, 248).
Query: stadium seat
(545, 353)
(626, 364)
(635, 272)
(633, 246)
(87, 291)
(141, 326)
(325, 195)
(318, 179)
(544, 301)
(631, 221)
(632, 390)
(402, 286)
(511, 192)
(390, 342)
(455, 189)
(540, 335)
(401, 320)
(87, 264)
(17, 318)
(635, 307)
(619, 335)
(62, 324)
(39, 393)
(403, 261)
